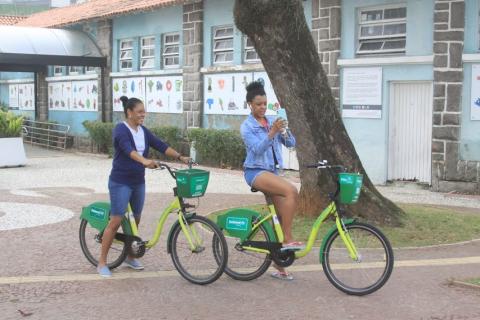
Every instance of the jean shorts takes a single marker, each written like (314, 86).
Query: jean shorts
(122, 194)
(251, 174)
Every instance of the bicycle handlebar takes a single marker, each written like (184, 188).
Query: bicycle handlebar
(162, 166)
(324, 165)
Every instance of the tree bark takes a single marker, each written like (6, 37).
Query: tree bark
(281, 37)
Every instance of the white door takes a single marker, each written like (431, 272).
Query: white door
(410, 131)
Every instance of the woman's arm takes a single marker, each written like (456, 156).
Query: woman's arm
(164, 148)
(254, 143)
(287, 139)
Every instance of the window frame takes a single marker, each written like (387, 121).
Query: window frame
(56, 74)
(120, 50)
(149, 47)
(166, 55)
(384, 39)
(75, 73)
(246, 49)
(222, 50)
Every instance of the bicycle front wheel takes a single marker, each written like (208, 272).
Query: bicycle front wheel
(372, 268)
(206, 261)
(91, 244)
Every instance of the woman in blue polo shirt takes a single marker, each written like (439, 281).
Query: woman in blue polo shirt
(263, 137)
(131, 141)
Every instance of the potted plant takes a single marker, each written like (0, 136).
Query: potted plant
(11, 140)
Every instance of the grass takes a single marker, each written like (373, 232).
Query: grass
(475, 281)
(424, 225)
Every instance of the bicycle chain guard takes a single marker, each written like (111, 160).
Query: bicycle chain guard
(135, 245)
(283, 258)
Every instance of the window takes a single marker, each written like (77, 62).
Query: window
(382, 30)
(171, 50)
(90, 69)
(250, 55)
(74, 70)
(147, 53)
(126, 51)
(57, 70)
(223, 45)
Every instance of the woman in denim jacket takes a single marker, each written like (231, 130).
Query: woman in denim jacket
(263, 138)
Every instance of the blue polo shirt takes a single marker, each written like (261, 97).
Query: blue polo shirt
(125, 170)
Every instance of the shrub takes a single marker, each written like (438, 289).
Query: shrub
(222, 148)
(101, 134)
(10, 125)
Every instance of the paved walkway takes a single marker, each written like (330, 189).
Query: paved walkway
(43, 271)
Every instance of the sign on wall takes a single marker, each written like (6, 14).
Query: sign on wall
(26, 96)
(164, 94)
(13, 96)
(129, 87)
(475, 93)
(73, 95)
(59, 95)
(362, 93)
(224, 93)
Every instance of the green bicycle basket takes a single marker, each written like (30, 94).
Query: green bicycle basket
(192, 183)
(350, 187)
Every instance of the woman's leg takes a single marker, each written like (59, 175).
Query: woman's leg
(107, 238)
(137, 200)
(284, 196)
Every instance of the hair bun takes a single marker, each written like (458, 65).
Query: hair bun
(254, 85)
(124, 100)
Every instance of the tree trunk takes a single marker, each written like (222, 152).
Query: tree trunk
(281, 37)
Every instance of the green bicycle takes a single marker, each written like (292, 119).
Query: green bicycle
(190, 241)
(356, 257)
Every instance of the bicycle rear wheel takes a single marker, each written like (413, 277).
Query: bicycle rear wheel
(206, 262)
(91, 244)
(373, 267)
(244, 264)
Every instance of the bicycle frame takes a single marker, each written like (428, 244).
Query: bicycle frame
(175, 205)
(329, 210)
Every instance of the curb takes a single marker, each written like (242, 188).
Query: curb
(465, 284)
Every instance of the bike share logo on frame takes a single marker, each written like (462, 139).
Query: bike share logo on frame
(237, 223)
(97, 213)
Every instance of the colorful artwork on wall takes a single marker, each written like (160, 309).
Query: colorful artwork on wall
(164, 94)
(13, 96)
(475, 93)
(26, 96)
(73, 95)
(224, 93)
(84, 96)
(130, 87)
(59, 95)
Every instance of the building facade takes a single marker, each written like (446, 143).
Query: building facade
(405, 74)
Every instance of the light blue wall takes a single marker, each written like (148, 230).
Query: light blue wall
(219, 13)
(73, 119)
(154, 23)
(4, 93)
(370, 136)
(470, 132)
(471, 42)
(419, 25)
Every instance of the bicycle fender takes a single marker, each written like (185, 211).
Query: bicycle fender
(329, 233)
(170, 236)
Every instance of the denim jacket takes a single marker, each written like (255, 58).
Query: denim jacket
(259, 146)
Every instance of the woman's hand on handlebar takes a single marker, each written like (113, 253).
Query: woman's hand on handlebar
(185, 160)
(150, 164)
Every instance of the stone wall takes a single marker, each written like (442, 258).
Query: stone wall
(449, 172)
(192, 62)
(326, 32)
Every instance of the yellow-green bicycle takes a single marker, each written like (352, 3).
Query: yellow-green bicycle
(190, 241)
(356, 257)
